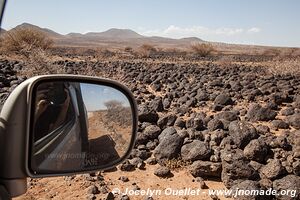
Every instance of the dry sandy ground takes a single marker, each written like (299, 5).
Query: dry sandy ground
(60, 188)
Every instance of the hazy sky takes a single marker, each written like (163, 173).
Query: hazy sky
(265, 22)
(95, 96)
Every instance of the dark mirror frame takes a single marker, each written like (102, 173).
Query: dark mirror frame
(2, 7)
(90, 80)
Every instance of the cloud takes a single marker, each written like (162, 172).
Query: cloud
(254, 30)
(198, 31)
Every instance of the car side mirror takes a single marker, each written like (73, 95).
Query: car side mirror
(63, 124)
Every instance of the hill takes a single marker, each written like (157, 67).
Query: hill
(111, 38)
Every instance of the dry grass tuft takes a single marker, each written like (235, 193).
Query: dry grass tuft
(202, 49)
(32, 47)
(25, 41)
(177, 163)
(146, 50)
(271, 52)
(225, 61)
(284, 66)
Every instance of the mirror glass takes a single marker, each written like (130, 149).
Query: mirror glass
(78, 126)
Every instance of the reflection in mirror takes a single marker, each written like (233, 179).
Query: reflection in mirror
(78, 127)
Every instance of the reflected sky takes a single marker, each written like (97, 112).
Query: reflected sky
(94, 96)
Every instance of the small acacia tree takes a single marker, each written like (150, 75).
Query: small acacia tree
(113, 105)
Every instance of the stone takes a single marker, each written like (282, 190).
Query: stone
(289, 182)
(272, 169)
(196, 150)
(167, 132)
(297, 102)
(236, 168)
(137, 162)
(288, 111)
(223, 100)
(168, 147)
(123, 178)
(151, 132)
(227, 115)
(217, 136)
(195, 123)
(256, 150)
(110, 196)
(242, 133)
(179, 123)
(93, 190)
(294, 120)
(147, 115)
(127, 166)
(258, 113)
(248, 185)
(166, 103)
(214, 124)
(167, 120)
(124, 197)
(157, 105)
(162, 171)
(202, 183)
(296, 167)
(151, 161)
(206, 169)
(280, 124)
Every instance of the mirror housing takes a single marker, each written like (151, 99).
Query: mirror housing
(15, 131)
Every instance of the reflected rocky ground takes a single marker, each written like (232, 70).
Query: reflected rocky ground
(109, 124)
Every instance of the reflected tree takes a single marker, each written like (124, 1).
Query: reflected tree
(113, 105)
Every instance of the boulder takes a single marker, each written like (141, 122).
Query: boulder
(294, 121)
(227, 115)
(151, 132)
(256, 150)
(279, 124)
(147, 115)
(179, 123)
(258, 113)
(169, 147)
(291, 183)
(223, 99)
(196, 150)
(166, 132)
(157, 105)
(242, 189)
(206, 169)
(162, 172)
(214, 124)
(236, 168)
(272, 170)
(196, 123)
(167, 120)
(242, 133)
(297, 102)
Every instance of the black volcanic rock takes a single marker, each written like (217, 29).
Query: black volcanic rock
(258, 113)
(242, 133)
(196, 150)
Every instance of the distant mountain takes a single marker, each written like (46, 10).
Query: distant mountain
(111, 38)
(116, 33)
(49, 32)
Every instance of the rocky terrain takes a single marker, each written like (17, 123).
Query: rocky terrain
(237, 125)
